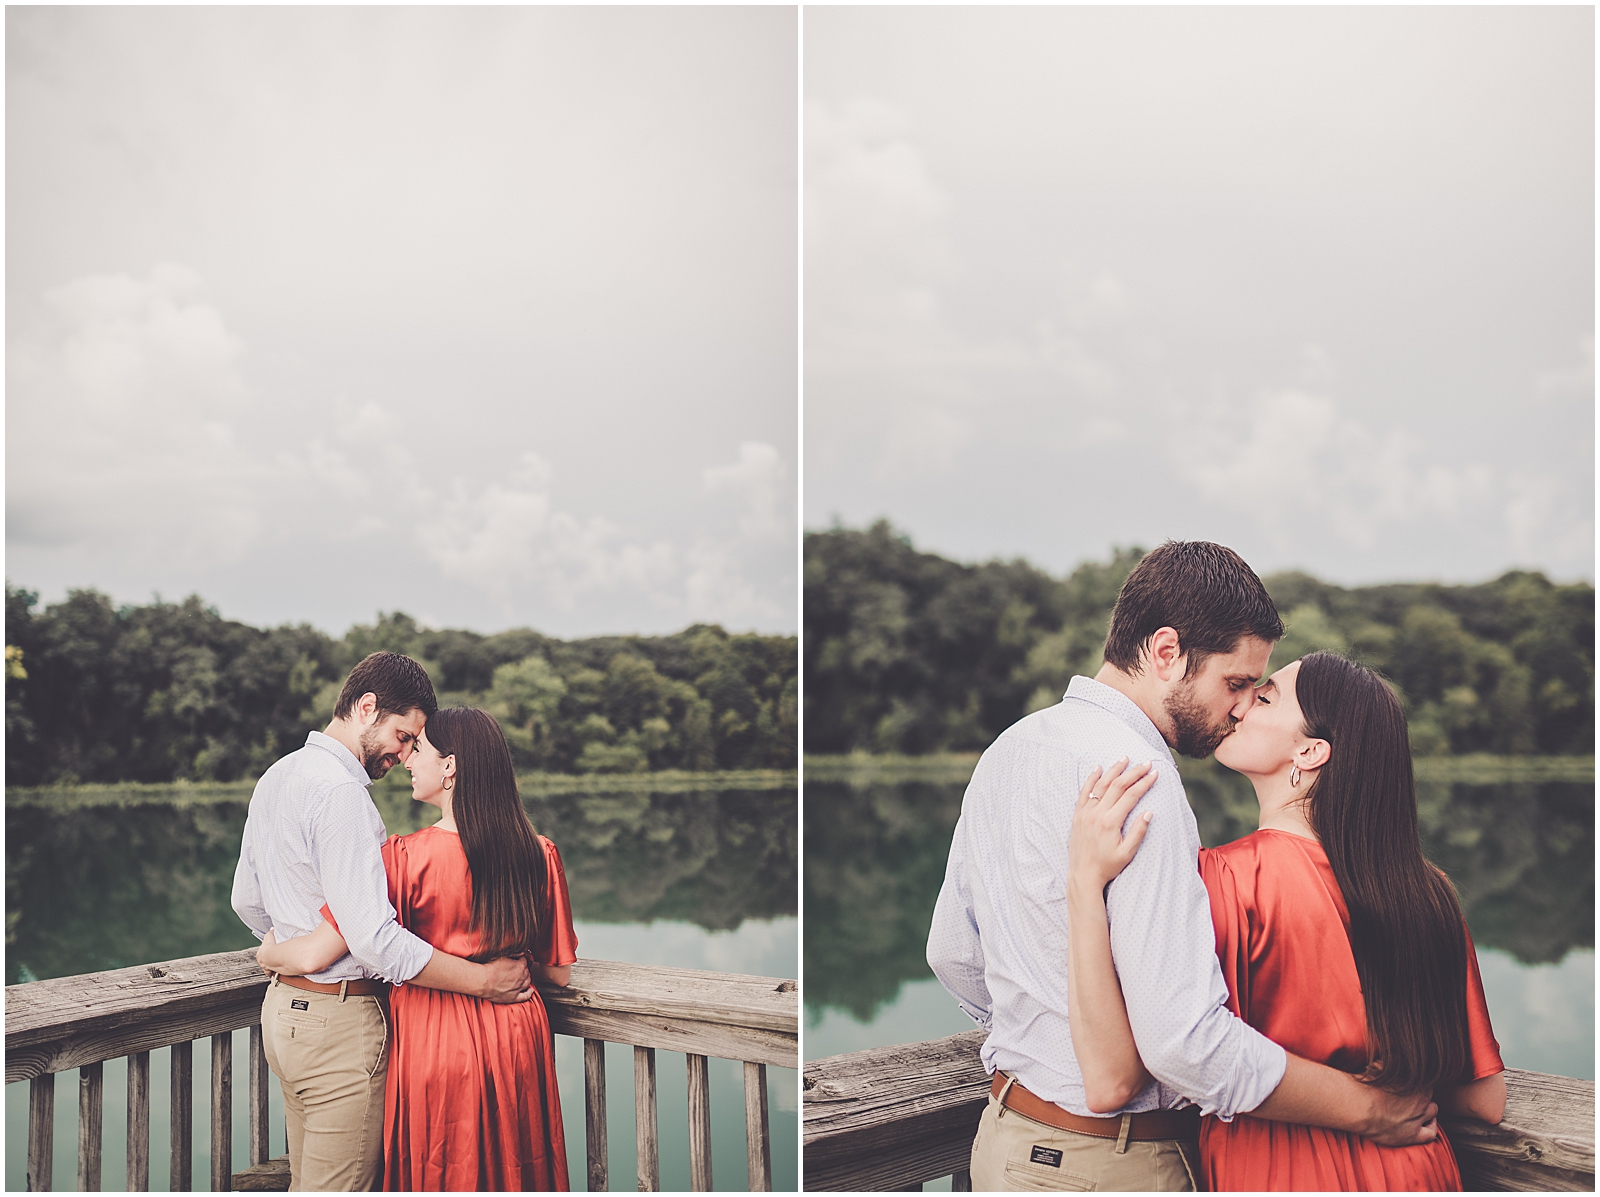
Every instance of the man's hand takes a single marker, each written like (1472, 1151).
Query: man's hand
(267, 941)
(1401, 1120)
(1317, 1095)
(507, 980)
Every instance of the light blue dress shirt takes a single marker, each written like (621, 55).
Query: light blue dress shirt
(998, 941)
(313, 836)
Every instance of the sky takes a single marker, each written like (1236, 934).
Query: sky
(485, 315)
(1316, 283)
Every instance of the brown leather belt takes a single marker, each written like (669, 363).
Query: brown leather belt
(361, 988)
(1151, 1125)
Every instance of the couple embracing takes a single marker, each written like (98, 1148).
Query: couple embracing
(1290, 1011)
(402, 1019)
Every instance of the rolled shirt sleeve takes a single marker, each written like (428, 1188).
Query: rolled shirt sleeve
(1164, 947)
(248, 903)
(955, 953)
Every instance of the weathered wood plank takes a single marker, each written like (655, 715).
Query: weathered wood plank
(71, 1021)
(894, 1116)
(594, 1114)
(222, 1112)
(182, 1118)
(39, 1009)
(961, 1182)
(41, 1132)
(729, 999)
(82, 1041)
(91, 1110)
(139, 1122)
(1544, 1143)
(680, 1035)
(264, 1176)
(757, 1135)
(647, 1142)
(699, 1075)
(259, 1106)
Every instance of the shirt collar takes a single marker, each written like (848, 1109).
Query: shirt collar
(347, 758)
(1119, 705)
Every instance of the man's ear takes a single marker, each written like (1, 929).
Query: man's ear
(1166, 654)
(366, 710)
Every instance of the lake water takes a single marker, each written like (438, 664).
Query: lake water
(694, 879)
(1520, 853)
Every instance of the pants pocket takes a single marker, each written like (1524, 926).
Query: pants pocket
(1037, 1178)
(375, 1038)
(300, 1020)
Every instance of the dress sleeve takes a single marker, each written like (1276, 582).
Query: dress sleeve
(558, 942)
(1231, 924)
(1485, 1048)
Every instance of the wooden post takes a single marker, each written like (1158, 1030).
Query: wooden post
(699, 1124)
(961, 1182)
(644, 1119)
(260, 1148)
(139, 1122)
(182, 1117)
(594, 1111)
(91, 1105)
(41, 1131)
(757, 1136)
(222, 1112)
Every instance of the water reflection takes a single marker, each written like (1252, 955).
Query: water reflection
(90, 888)
(1521, 856)
(691, 878)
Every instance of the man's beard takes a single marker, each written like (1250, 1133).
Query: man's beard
(373, 759)
(1192, 735)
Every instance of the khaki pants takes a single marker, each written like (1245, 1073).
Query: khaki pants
(1013, 1154)
(332, 1058)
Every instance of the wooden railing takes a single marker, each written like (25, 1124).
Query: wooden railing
(80, 1022)
(894, 1117)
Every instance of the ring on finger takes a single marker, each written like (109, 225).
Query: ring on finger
(1094, 797)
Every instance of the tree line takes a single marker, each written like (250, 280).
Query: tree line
(906, 651)
(172, 691)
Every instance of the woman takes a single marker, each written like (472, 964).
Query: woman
(471, 1101)
(1337, 939)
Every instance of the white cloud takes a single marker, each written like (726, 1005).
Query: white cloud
(124, 401)
(756, 482)
(132, 432)
(1293, 451)
(890, 375)
(1576, 379)
(716, 590)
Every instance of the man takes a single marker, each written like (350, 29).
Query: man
(1190, 637)
(314, 837)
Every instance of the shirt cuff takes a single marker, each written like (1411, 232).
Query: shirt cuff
(411, 957)
(1269, 1062)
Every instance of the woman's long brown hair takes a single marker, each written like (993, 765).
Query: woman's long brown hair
(1406, 929)
(504, 856)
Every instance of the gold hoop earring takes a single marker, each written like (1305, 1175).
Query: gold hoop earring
(1294, 775)
(449, 783)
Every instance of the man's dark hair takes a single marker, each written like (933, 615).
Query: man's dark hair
(399, 683)
(1202, 591)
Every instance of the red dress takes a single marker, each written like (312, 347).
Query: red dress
(471, 1103)
(1282, 937)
